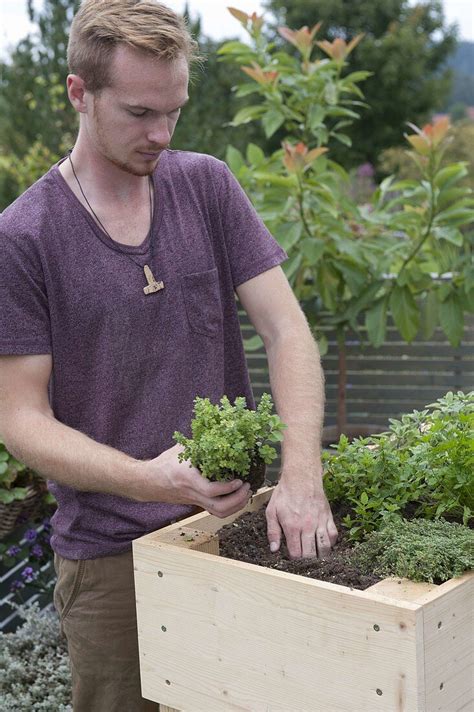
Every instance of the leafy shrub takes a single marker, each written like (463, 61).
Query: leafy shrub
(423, 466)
(14, 477)
(227, 438)
(347, 261)
(420, 550)
(461, 148)
(34, 667)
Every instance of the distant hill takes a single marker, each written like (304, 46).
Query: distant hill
(462, 64)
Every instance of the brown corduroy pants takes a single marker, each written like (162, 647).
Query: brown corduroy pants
(95, 600)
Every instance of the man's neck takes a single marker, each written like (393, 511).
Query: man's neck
(100, 179)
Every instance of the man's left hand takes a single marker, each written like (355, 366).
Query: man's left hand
(300, 509)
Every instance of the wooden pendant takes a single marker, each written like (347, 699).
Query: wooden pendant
(152, 286)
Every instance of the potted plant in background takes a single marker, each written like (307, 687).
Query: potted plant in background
(404, 253)
(21, 492)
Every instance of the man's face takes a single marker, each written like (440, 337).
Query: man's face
(132, 121)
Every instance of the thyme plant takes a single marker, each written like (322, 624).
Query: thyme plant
(420, 550)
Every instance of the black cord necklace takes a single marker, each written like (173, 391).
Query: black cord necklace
(152, 286)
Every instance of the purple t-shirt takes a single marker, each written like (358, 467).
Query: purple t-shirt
(127, 366)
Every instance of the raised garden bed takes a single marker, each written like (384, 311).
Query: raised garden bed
(218, 635)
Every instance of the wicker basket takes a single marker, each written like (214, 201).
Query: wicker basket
(11, 515)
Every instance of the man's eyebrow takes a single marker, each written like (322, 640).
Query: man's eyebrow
(146, 108)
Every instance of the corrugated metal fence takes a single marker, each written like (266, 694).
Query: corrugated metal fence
(386, 382)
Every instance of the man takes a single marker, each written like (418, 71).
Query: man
(119, 270)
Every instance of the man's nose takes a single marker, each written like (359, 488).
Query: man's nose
(159, 134)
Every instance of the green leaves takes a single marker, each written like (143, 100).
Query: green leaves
(272, 120)
(405, 312)
(419, 550)
(288, 234)
(234, 159)
(387, 255)
(376, 322)
(247, 114)
(14, 477)
(226, 438)
(451, 318)
(422, 465)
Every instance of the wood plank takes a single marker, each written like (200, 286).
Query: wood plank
(401, 589)
(271, 641)
(448, 638)
(189, 537)
(205, 522)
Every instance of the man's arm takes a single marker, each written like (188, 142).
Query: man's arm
(298, 505)
(35, 437)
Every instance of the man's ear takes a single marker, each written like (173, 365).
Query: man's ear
(76, 91)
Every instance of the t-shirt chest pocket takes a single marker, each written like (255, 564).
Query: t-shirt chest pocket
(202, 300)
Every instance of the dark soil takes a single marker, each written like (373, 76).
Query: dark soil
(246, 540)
(256, 475)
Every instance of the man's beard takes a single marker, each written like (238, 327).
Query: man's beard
(147, 170)
(126, 166)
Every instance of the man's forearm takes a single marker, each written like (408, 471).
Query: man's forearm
(69, 457)
(297, 382)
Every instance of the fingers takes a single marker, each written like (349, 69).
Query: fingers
(219, 489)
(323, 542)
(332, 532)
(227, 504)
(306, 543)
(273, 530)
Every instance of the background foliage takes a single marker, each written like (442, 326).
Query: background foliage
(405, 48)
(36, 119)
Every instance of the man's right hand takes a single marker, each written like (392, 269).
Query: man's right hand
(165, 479)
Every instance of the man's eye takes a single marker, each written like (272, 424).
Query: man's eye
(133, 113)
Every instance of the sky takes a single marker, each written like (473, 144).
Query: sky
(216, 20)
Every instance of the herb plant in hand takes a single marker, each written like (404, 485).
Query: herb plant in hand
(230, 441)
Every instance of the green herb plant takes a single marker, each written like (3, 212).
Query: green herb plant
(420, 550)
(423, 466)
(227, 439)
(14, 477)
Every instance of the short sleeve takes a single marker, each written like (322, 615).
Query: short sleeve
(250, 246)
(24, 313)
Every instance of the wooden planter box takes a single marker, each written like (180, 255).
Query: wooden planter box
(217, 635)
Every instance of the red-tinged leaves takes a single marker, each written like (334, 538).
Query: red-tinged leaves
(338, 49)
(303, 38)
(242, 17)
(297, 157)
(259, 75)
(427, 139)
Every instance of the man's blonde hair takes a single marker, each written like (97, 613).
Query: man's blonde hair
(100, 25)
